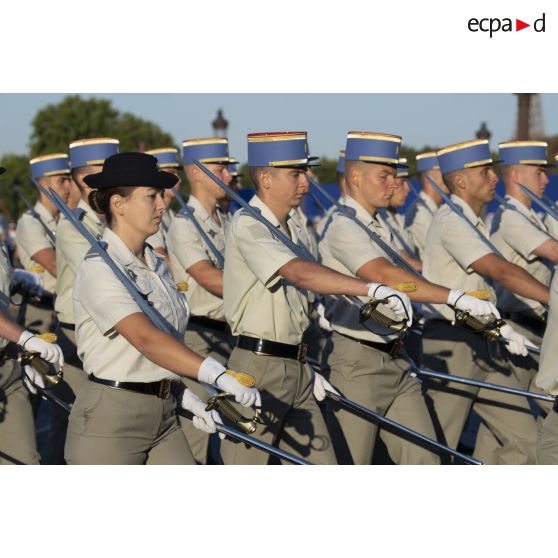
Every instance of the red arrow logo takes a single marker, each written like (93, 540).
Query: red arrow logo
(519, 25)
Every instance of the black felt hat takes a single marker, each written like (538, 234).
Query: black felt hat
(131, 169)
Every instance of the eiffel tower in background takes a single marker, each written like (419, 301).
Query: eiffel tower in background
(529, 124)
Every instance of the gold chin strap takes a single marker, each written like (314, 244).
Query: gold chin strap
(220, 402)
(28, 358)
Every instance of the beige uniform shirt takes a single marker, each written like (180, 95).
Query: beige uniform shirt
(418, 217)
(258, 302)
(71, 248)
(186, 247)
(5, 280)
(159, 239)
(547, 377)
(308, 236)
(101, 301)
(552, 226)
(345, 247)
(32, 238)
(516, 233)
(323, 222)
(394, 222)
(451, 247)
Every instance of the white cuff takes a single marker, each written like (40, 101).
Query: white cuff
(210, 370)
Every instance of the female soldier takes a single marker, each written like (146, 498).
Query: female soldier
(125, 413)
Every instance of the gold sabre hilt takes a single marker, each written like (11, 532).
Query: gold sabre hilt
(370, 309)
(40, 365)
(221, 403)
(489, 326)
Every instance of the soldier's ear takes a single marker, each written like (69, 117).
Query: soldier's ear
(265, 178)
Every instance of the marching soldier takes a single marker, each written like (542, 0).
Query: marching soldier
(365, 363)
(193, 263)
(35, 245)
(456, 255)
(266, 304)
(342, 185)
(227, 205)
(421, 211)
(167, 160)
(396, 221)
(126, 413)
(86, 157)
(17, 428)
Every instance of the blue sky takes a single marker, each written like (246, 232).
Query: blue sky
(435, 119)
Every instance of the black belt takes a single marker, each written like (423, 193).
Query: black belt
(66, 325)
(391, 348)
(272, 348)
(217, 325)
(160, 389)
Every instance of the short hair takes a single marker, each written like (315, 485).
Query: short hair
(449, 180)
(254, 174)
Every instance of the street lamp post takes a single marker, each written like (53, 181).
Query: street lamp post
(220, 125)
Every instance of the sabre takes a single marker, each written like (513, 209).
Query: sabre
(419, 199)
(365, 310)
(415, 370)
(400, 430)
(457, 209)
(395, 427)
(35, 215)
(258, 444)
(540, 202)
(374, 236)
(227, 430)
(189, 212)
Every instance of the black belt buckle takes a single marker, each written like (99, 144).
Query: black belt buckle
(164, 389)
(302, 351)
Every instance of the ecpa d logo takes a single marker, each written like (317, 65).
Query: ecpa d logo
(493, 25)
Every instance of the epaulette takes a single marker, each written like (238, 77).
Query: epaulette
(93, 251)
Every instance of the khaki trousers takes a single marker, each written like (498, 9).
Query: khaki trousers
(205, 342)
(524, 372)
(547, 440)
(17, 428)
(457, 351)
(74, 377)
(293, 419)
(111, 426)
(379, 382)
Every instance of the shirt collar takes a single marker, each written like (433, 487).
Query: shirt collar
(428, 201)
(467, 211)
(118, 249)
(89, 211)
(44, 212)
(361, 213)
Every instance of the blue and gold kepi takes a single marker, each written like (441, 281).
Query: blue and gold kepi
(371, 147)
(403, 168)
(167, 157)
(341, 162)
(50, 165)
(92, 151)
(279, 149)
(523, 152)
(206, 150)
(464, 155)
(233, 168)
(427, 161)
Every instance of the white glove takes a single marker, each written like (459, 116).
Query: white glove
(203, 420)
(33, 282)
(516, 342)
(320, 387)
(400, 304)
(30, 377)
(466, 303)
(50, 352)
(213, 372)
(322, 320)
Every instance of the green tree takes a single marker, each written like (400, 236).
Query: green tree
(56, 125)
(16, 177)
